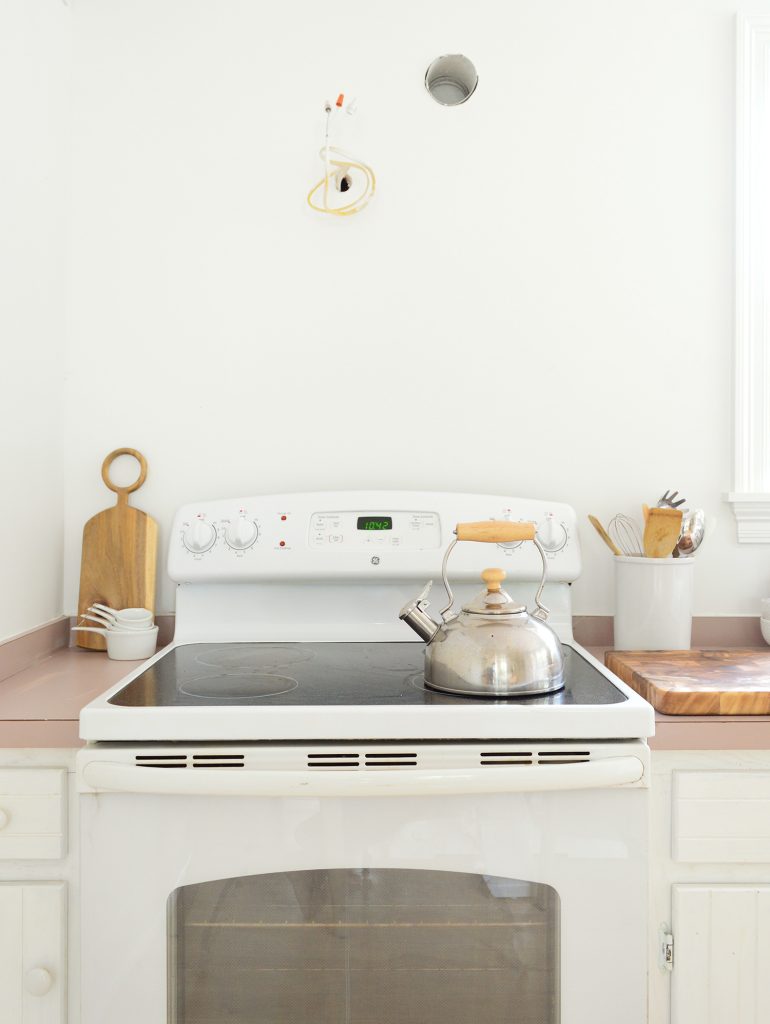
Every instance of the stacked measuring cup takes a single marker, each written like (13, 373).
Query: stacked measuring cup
(131, 633)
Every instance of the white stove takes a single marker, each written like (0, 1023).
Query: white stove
(287, 627)
(309, 832)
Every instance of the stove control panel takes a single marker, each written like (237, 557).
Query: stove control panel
(349, 535)
(367, 529)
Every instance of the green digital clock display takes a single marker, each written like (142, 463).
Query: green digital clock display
(375, 522)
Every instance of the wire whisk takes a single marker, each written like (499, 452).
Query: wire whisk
(625, 533)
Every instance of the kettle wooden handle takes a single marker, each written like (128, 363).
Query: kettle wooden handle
(495, 531)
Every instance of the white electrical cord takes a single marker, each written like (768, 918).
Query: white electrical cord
(337, 172)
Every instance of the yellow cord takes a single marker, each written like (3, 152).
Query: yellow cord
(354, 205)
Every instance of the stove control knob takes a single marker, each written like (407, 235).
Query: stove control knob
(511, 544)
(241, 533)
(199, 536)
(552, 534)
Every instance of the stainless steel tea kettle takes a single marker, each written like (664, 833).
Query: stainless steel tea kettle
(493, 647)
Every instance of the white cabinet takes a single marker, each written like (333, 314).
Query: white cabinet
(721, 817)
(722, 953)
(33, 966)
(39, 887)
(710, 874)
(33, 805)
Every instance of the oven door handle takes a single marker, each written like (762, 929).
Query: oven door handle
(112, 777)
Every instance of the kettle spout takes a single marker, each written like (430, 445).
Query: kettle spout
(415, 615)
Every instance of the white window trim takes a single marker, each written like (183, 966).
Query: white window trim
(750, 496)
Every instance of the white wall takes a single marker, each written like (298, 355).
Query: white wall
(34, 67)
(538, 301)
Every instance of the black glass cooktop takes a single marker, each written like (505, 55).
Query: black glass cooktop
(307, 674)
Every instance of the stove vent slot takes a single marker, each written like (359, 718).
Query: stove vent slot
(510, 757)
(161, 760)
(490, 757)
(391, 759)
(335, 760)
(218, 760)
(563, 756)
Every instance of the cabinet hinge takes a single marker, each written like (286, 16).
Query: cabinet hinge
(666, 948)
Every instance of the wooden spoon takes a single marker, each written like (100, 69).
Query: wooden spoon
(604, 535)
(661, 532)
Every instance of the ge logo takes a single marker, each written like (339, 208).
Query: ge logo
(375, 560)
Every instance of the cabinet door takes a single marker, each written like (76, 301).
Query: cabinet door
(32, 953)
(721, 954)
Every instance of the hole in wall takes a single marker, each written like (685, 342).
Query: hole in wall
(343, 180)
(451, 79)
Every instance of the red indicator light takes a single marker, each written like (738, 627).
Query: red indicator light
(282, 544)
(283, 519)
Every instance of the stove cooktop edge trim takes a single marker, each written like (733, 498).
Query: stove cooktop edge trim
(101, 721)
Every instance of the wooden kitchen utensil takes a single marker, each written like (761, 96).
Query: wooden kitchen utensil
(120, 547)
(604, 535)
(661, 532)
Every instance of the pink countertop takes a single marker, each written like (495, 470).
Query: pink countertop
(40, 704)
(44, 684)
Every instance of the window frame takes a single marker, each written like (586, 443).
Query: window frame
(750, 495)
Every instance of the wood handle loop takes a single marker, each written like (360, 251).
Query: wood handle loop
(494, 531)
(123, 492)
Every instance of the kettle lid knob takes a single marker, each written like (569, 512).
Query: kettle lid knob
(493, 579)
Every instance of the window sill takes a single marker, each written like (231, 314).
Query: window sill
(752, 514)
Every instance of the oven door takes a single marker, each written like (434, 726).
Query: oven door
(512, 895)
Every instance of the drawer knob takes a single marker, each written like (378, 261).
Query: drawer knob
(5, 817)
(38, 981)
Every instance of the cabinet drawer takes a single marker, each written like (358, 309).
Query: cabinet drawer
(32, 813)
(33, 966)
(721, 817)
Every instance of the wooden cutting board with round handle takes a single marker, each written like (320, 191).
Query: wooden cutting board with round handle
(120, 549)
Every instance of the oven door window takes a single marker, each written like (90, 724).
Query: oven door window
(370, 946)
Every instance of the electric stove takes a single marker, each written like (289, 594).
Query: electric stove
(287, 627)
(279, 820)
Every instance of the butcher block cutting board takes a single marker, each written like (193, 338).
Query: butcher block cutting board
(729, 682)
(120, 550)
